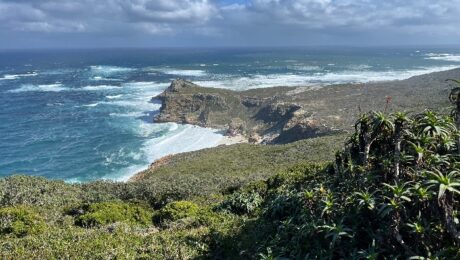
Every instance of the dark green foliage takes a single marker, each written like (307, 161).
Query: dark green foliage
(178, 210)
(242, 203)
(361, 207)
(103, 213)
(37, 191)
(20, 221)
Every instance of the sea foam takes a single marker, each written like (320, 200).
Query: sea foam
(443, 57)
(113, 96)
(39, 88)
(100, 72)
(178, 139)
(17, 76)
(181, 72)
(318, 78)
(100, 87)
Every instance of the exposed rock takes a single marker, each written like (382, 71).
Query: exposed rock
(251, 102)
(236, 127)
(254, 138)
(179, 103)
(178, 85)
(276, 112)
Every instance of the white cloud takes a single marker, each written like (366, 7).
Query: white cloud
(173, 11)
(259, 20)
(155, 16)
(355, 13)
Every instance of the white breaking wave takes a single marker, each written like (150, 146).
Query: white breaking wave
(109, 70)
(114, 96)
(179, 139)
(100, 78)
(39, 88)
(301, 67)
(359, 67)
(181, 72)
(443, 57)
(92, 105)
(128, 114)
(320, 78)
(57, 71)
(17, 76)
(139, 104)
(99, 87)
(146, 85)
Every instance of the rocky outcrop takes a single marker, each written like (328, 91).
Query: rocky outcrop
(260, 119)
(179, 103)
(302, 126)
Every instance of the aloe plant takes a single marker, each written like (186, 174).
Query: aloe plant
(446, 184)
(400, 120)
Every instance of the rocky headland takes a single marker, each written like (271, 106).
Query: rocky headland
(286, 114)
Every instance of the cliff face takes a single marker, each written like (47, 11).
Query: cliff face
(182, 106)
(261, 119)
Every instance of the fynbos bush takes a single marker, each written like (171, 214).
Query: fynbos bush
(20, 221)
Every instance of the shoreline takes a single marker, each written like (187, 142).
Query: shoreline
(226, 140)
(319, 110)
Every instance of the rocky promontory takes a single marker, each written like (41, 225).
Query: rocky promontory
(267, 119)
(287, 114)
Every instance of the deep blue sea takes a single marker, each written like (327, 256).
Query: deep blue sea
(83, 115)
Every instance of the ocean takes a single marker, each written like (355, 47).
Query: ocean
(82, 115)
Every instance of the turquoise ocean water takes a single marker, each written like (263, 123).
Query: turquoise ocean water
(83, 115)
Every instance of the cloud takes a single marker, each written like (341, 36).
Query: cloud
(155, 16)
(169, 11)
(355, 13)
(227, 22)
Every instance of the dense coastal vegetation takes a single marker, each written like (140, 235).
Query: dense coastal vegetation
(388, 189)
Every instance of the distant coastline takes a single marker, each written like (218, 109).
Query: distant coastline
(287, 114)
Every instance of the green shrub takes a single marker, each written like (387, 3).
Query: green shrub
(104, 213)
(178, 210)
(242, 203)
(20, 221)
(37, 191)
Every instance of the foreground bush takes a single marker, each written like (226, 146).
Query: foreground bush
(20, 221)
(177, 210)
(393, 192)
(104, 213)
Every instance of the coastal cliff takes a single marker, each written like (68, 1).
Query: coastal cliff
(286, 114)
(261, 119)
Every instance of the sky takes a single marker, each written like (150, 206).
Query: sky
(226, 23)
